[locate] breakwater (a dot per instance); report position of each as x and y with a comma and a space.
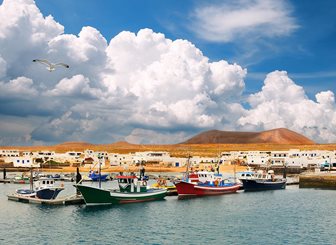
318, 180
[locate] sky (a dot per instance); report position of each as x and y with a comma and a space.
159, 72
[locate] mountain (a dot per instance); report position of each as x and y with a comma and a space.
274, 136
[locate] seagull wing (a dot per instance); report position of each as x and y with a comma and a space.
45, 62
62, 64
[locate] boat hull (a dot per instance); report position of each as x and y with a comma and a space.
185, 188
48, 193
262, 185
103, 177
97, 196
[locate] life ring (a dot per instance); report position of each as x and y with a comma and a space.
216, 182
62, 185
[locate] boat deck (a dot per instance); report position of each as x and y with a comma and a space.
68, 200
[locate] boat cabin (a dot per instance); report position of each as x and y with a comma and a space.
205, 176
260, 174
44, 183
246, 175
131, 183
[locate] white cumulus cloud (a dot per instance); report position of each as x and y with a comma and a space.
229, 20
282, 103
143, 87
20, 88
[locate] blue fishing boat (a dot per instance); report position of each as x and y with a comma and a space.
94, 176
261, 181
44, 188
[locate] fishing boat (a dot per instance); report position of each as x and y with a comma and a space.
204, 183
95, 176
162, 183
44, 188
261, 181
20, 180
131, 190
207, 183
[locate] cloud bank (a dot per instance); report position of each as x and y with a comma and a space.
141, 87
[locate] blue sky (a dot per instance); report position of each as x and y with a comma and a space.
307, 54
162, 71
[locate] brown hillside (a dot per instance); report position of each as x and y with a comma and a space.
180, 150
274, 136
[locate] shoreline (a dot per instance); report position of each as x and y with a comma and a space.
117, 169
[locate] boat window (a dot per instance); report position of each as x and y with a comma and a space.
43, 182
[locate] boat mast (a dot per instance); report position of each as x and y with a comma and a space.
235, 171
188, 166
218, 159
99, 162
31, 178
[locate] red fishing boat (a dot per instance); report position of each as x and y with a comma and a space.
205, 184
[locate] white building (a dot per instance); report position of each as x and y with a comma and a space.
260, 158
314, 158
97, 156
26, 162
69, 156
45, 155
117, 159
151, 156
9, 153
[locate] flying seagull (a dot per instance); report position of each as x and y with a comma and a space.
50, 66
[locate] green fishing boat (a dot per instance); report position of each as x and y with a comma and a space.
131, 190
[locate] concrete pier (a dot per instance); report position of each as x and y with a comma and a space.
5, 181
70, 200
318, 180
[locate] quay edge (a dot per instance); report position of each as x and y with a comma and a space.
318, 180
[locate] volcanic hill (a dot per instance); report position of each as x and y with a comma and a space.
274, 136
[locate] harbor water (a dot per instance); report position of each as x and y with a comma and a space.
290, 216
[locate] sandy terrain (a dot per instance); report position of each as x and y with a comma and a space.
178, 150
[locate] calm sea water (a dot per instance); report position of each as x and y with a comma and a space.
291, 216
